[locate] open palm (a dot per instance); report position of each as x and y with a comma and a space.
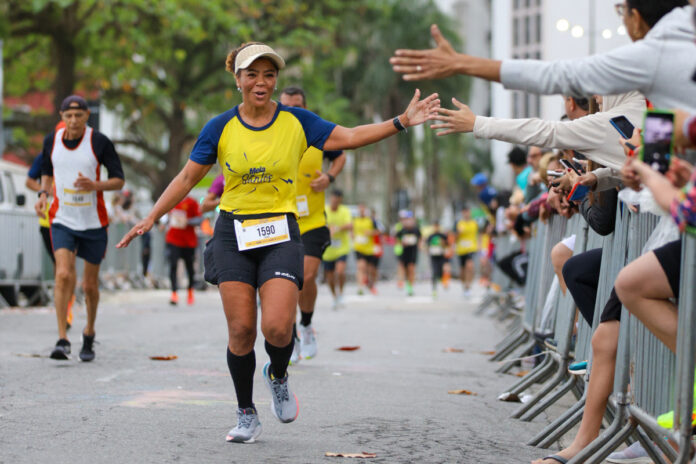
419, 111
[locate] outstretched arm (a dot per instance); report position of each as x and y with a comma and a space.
442, 61
178, 188
417, 112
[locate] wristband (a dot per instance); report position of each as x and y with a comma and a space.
400, 127
40, 192
331, 178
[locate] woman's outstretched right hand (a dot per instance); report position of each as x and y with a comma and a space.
139, 229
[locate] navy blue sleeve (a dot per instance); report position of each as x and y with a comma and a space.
332, 155
46, 162
35, 169
205, 150
316, 130
106, 155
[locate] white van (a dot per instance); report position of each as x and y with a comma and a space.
14, 195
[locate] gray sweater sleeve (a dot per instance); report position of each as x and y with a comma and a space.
623, 69
607, 179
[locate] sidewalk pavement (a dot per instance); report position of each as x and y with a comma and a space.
389, 397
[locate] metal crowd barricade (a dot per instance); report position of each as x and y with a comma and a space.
539, 278
566, 421
502, 297
564, 315
632, 231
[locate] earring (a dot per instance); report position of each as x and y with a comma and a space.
239, 90
276, 88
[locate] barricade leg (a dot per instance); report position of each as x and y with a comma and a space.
538, 374
545, 390
522, 352
555, 396
562, 425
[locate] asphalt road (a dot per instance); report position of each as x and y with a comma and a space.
389, 397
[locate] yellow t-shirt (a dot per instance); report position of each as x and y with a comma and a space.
310, 204
260, 163
467, 236
362, 237
340, 241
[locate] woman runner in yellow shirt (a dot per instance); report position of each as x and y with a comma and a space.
256, 244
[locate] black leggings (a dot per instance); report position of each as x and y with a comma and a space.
581, 275
176, 253
145, 253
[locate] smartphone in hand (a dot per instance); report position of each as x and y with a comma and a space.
567, 164
578, 193
623, 126
658, 139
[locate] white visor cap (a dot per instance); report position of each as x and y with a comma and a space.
252, 53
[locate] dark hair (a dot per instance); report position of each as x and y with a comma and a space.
232, 56
292, 91
653, 10
582, 102
335, 192
517, 156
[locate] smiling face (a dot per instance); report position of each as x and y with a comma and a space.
257, 82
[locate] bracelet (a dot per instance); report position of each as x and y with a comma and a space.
331, 178
40, 192
400, 127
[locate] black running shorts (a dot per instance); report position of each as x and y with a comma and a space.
225, 263
316, 241
409, 255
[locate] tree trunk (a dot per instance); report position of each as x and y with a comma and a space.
175, 152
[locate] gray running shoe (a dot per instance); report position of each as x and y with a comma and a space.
87, 351
284, 404
61, 351
248, 427
308, 342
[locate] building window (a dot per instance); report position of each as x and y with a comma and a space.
527, 31
515, 32
537, 26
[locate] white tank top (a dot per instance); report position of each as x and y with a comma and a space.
71, 207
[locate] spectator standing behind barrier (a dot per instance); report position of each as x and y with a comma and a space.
409, 237
181, 243
71, 167
339, 220
659, 62
311, 183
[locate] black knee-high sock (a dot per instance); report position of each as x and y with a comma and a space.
280, 358
294, 332
242, 371
306, 318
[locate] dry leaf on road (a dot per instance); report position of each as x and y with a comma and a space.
170, 357
461, 392
347, 348
488, 353
362, 455
453, 350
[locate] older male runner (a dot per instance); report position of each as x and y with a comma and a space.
71, 167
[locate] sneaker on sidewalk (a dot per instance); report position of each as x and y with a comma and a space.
190, 298
295, 356
248, 427
62, 350
308, 342
634, 454
284, 404
87, 351
174, 299
578, 368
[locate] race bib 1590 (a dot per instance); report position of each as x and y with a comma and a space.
256, 233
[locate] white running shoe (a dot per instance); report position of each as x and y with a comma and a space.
284, 404
248, 427
308, 342
295, 356
634, 454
